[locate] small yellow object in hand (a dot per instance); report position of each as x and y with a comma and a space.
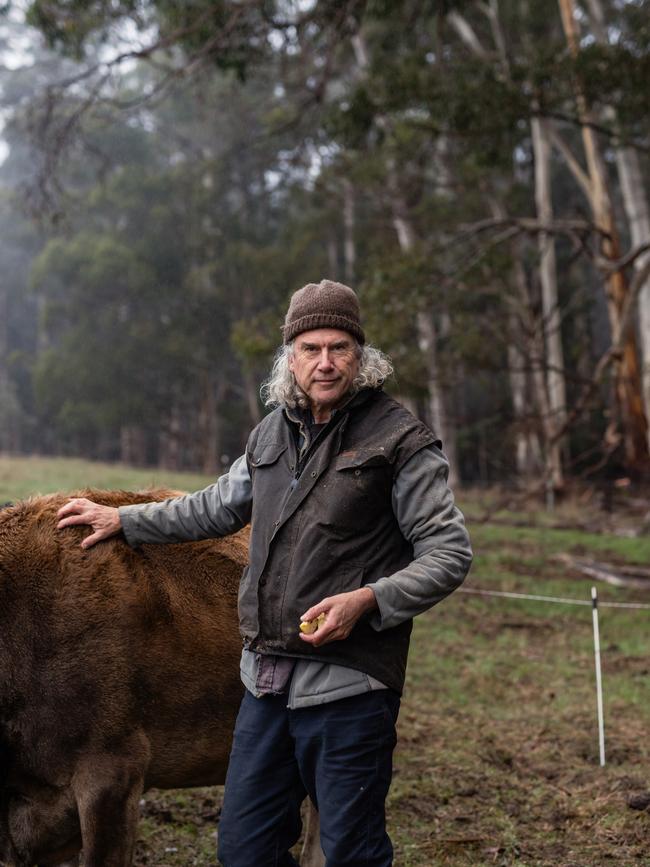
310, 626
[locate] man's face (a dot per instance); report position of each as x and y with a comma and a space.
325, 363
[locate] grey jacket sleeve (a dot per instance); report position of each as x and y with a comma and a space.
217, 510
427, 516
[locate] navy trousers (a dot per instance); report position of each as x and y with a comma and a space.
340, 753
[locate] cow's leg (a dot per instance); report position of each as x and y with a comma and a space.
109, 817
44, 828
108, 791
312, 853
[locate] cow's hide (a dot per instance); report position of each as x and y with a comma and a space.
119, 670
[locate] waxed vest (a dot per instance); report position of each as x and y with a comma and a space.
329, 530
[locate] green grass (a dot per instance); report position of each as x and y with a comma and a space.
497, 761
543, 542
24, 477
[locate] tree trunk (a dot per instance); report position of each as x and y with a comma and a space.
332, 256
637, 211
439, 418
551, 323
523, 363
169, 448
528, 451
9, 409
638, 216
425, 323
252, 392
133, 445
209, 429
537, 357
547, 368
210, 426
427, 334
627, 378
349, 245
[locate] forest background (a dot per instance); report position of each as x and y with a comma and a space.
476, 170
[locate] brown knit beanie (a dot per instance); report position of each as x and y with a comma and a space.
323, 305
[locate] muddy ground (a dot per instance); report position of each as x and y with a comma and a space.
497, 762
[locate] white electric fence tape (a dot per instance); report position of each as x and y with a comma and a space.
557, 599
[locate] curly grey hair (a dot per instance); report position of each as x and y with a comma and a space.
281, 388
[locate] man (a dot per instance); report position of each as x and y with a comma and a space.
351, 518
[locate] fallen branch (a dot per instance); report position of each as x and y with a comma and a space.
618, 576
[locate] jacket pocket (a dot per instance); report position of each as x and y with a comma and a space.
266, 454
363, 480
362, 458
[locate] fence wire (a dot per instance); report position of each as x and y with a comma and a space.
558, 600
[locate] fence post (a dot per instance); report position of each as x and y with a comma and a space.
599, 680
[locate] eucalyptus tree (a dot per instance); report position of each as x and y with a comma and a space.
425, 151
619, 31
167, 255
526, 58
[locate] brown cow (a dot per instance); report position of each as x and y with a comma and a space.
119, 670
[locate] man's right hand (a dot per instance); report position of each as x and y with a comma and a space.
105, 520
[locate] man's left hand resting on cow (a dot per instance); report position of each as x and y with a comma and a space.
351, 517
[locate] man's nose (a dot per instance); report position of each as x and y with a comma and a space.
325, 360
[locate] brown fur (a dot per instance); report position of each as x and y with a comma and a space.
118, 671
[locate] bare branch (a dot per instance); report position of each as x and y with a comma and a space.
533, 226
467, 35
606, 131
54, 129
612, 266
491, 10
145, 53
574, 166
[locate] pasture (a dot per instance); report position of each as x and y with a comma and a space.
497, 762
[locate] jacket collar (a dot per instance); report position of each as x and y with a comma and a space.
301, 416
